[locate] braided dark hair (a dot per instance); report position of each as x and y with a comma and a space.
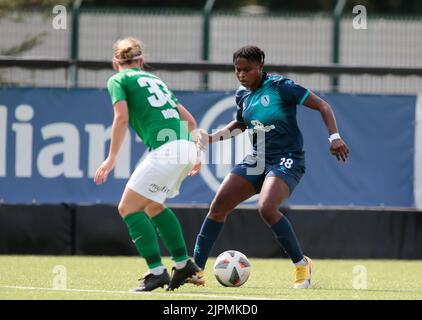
250, 53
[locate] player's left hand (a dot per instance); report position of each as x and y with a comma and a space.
195, 169
339, 149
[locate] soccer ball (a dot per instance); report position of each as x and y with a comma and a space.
232, 268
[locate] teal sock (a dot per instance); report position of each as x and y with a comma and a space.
170, 232
144, 237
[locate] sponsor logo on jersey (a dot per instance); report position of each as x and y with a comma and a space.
259, 126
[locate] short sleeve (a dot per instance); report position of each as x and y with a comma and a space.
239, 115
292, 92
239, 104
116, 90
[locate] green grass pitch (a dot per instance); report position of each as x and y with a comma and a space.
82, 277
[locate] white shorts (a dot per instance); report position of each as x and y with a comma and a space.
160, 175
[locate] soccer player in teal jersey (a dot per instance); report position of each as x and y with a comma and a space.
266, 107
143, 101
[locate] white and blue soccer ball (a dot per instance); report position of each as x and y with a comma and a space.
232, 268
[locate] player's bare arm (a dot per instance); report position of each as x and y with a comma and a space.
118, 132
187, 116
338, 147
231, 130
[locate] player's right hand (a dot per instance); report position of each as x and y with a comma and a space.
202, 139
102, 172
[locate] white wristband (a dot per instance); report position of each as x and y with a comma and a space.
334, 136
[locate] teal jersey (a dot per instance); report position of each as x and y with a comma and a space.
269, 113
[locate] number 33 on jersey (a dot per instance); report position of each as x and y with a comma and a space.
152, 110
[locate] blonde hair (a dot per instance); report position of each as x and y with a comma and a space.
126, 50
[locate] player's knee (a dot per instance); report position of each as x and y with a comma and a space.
154, 209
124, 210
269, 213
217, 212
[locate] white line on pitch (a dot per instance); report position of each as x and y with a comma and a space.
144, 293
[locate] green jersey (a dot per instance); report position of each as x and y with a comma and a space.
152, 106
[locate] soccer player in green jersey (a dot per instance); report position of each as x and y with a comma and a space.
143, 101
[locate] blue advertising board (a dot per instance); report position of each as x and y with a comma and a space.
53, 140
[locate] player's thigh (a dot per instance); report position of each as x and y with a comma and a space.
158, 176
280, 182
233, 190
132, 201
273, 193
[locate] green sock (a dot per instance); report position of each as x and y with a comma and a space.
144, 237
170, 231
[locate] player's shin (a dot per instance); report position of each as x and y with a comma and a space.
205, 241
144, 237
286, 237
170, 232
